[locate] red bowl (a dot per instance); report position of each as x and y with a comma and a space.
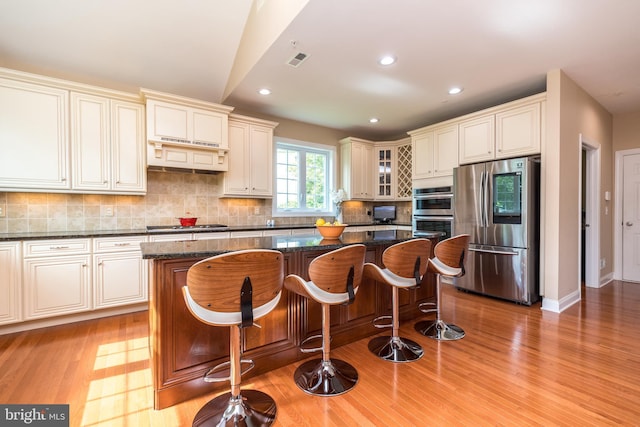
188, 222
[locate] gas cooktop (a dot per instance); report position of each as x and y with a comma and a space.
168, 228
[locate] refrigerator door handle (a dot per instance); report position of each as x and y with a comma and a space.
493, 251
484, 221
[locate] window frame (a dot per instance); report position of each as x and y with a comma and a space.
331, 151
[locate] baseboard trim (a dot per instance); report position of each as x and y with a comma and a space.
558, 306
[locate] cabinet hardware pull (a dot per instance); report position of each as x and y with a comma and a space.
58, 247
122, 244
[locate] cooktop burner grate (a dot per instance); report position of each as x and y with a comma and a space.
165, 228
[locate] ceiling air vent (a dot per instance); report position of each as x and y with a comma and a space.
297, 59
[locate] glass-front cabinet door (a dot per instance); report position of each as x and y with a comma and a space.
384, 188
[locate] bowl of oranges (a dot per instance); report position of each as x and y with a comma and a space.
328, 229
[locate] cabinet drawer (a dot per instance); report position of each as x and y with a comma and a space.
56, 247
118, 244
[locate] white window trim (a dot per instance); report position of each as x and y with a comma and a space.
333, 171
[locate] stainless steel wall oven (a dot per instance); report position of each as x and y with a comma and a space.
433, 210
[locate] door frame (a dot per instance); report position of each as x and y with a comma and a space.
617, 219
592, 215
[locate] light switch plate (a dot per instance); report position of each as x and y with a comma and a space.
3, 210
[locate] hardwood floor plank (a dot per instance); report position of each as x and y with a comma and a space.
517, 365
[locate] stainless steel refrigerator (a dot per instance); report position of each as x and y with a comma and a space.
497, 203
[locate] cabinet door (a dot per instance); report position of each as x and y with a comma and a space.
167, 121
260, 163
422, 147
129, 166
445, 150
119, 279
90, 142
10, 283
361, 171
236, 179
518, 131
209, 127
477, 139
34, 132
385, 173
56, 285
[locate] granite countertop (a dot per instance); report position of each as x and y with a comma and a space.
144, 232
207, 248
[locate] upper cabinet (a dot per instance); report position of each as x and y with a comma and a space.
34, 136
509, 130
107, 141
250, 158
356, 158
393, 170
60, 136
435, 151
186, 133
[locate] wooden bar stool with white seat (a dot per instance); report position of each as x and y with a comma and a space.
405, 264
235, 289
335, 278
448, 262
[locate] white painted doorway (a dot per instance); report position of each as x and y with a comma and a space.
630, 223
590, 219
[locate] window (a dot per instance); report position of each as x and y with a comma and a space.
304, 178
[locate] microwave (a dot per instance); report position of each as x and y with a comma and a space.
433, 201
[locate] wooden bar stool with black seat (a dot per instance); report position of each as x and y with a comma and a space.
405, 264
235, 289
335, 278
448, 262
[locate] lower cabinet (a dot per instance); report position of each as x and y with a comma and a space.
10, 282
57, 277
119, 272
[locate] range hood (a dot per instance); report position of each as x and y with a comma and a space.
186, 133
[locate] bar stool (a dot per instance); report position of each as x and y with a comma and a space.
405, 265
335, 278
234, 289
448, 262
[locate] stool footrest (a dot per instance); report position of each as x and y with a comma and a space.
304, 342
222, 371
377, 320
422, 307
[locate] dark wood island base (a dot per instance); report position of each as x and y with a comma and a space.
184, 349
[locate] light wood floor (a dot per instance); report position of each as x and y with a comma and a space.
516, 366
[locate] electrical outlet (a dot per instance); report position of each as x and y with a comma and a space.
108, 211
603, 263
3, 210
256, 210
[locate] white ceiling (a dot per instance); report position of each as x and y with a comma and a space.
497, 50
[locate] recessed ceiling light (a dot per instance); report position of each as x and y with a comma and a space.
455, 90
387, 60
373, 120
264, 91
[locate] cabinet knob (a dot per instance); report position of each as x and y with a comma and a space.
105, 181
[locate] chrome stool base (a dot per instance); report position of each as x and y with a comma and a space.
395, 349
439, 330
322, 378
252, 408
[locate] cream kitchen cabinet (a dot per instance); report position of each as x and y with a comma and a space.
34, 136
186, 132
508, 130
434, 151
119, 272
57, 277
10, 282
108, 145
356, 157
250, 158
393, 170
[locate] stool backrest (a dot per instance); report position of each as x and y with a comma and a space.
215, 283
453, 251
401, 258
330, 271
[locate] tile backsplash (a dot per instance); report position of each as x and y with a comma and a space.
170, 195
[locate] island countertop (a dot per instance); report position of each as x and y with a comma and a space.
207, 248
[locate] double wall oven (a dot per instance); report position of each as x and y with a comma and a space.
433, 210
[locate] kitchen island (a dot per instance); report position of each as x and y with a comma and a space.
184, 349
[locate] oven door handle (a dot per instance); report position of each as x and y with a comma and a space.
434, 196
433, 218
